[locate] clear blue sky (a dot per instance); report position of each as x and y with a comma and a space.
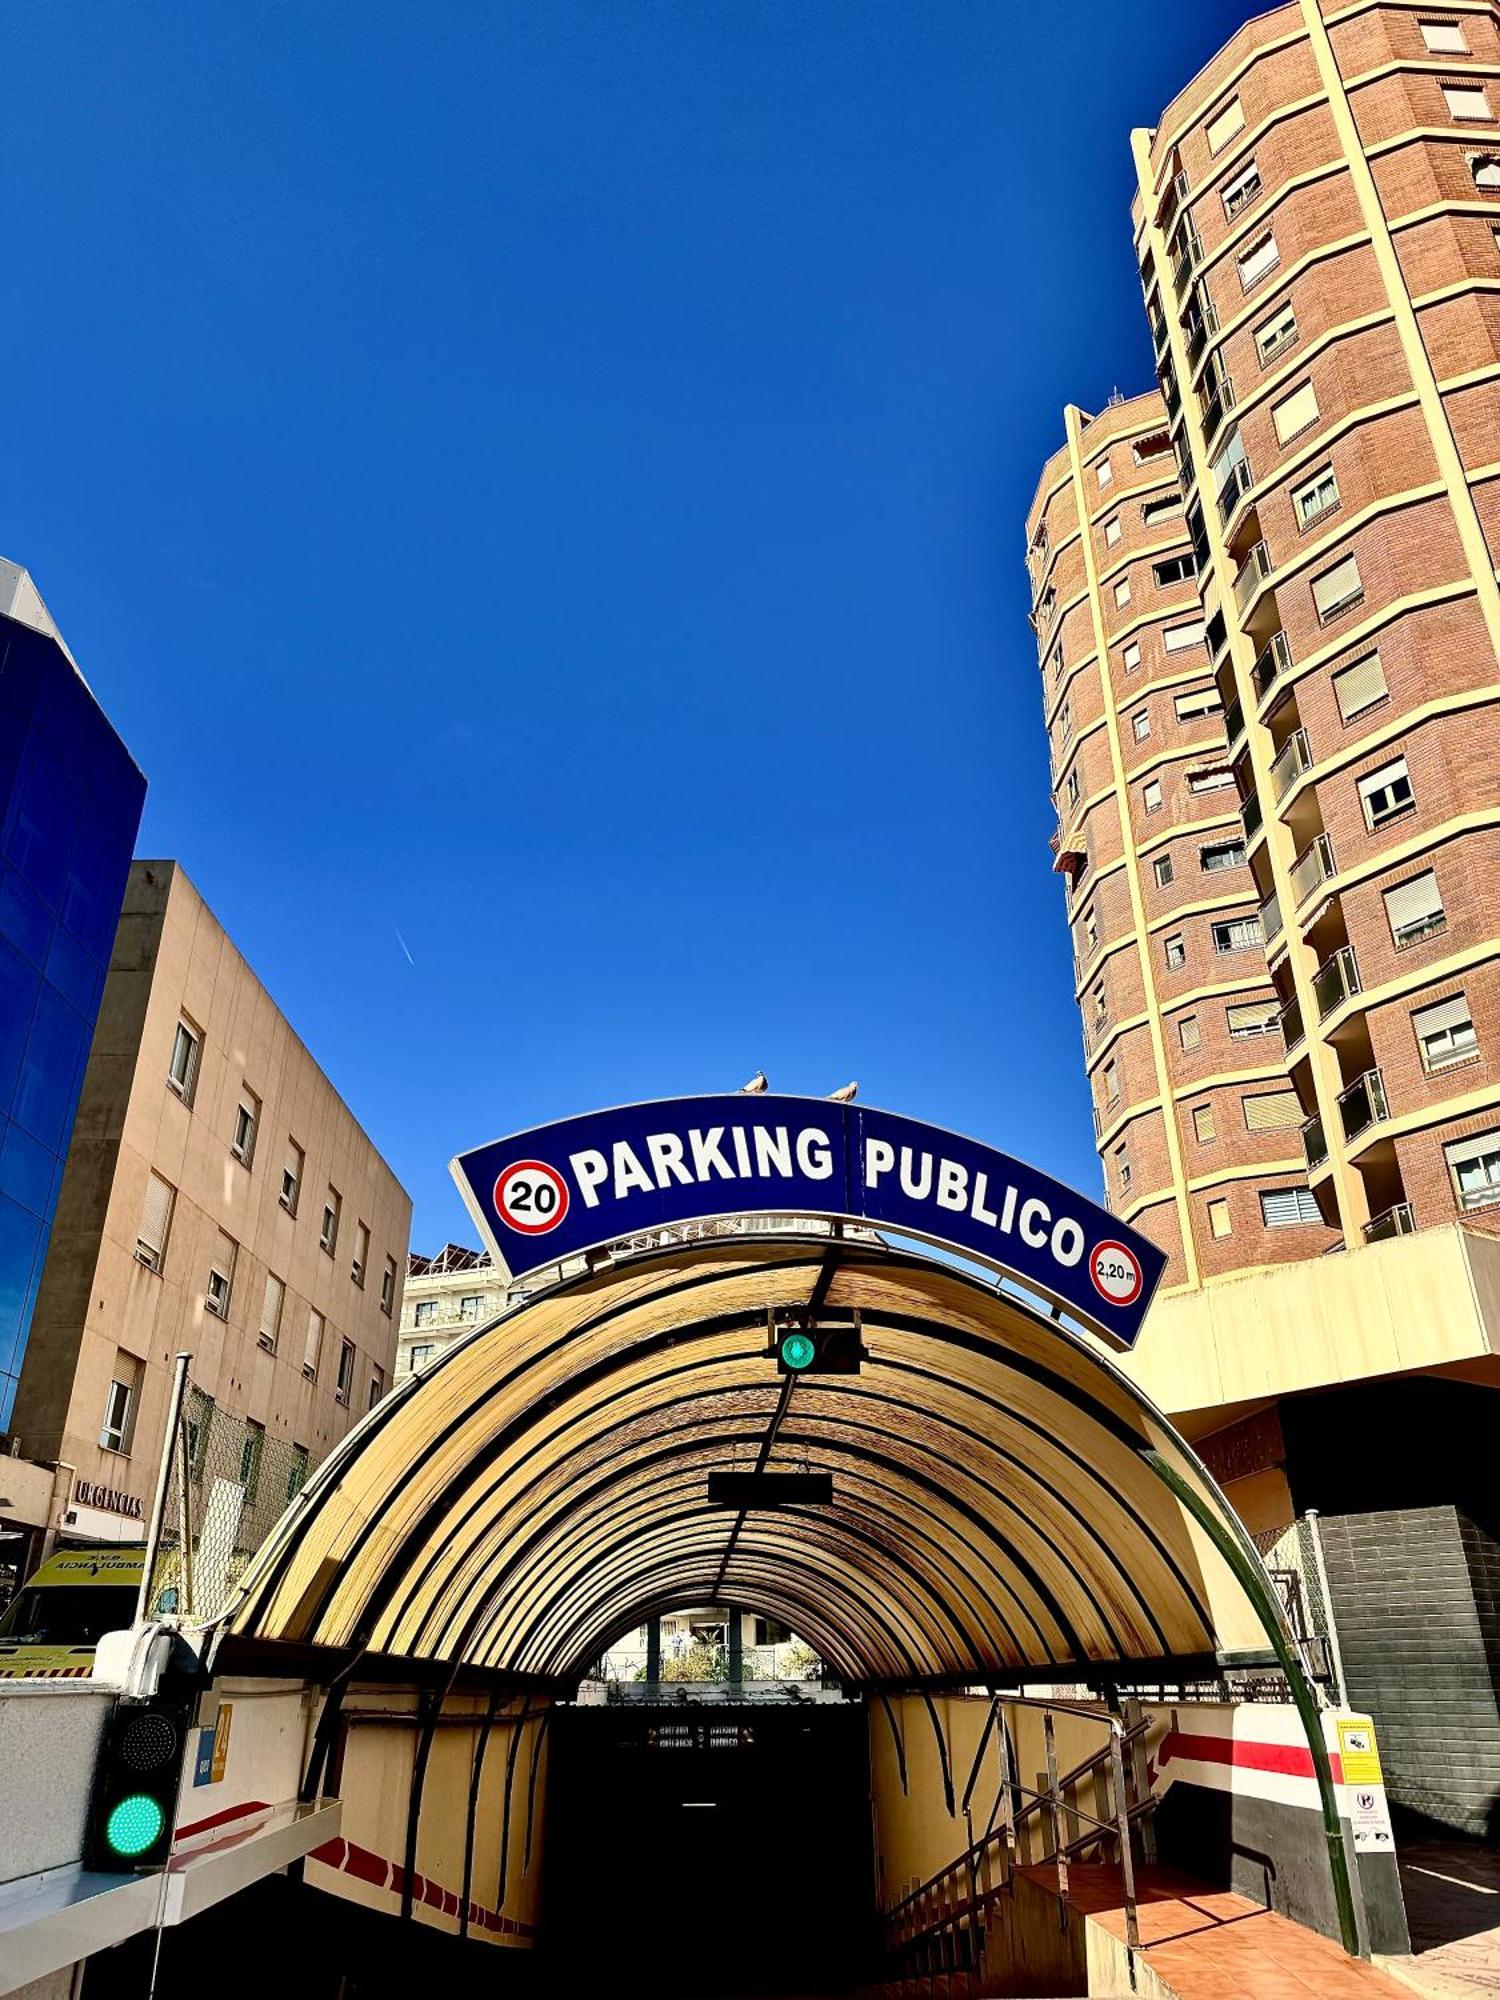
549, 478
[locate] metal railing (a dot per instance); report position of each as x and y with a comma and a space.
1234, 723
1293, 758
1363, 1104
938, 1930
1314, 1142
1236, 482
1396, 1221
1292, 1030
1335, 980
1217, 407
1313, 865
1202, 322
1270, 917
1251, 815
1271, 662
1250, 574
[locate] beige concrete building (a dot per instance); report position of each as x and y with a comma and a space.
446, 1296
221, 1199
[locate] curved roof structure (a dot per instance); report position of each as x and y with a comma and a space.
543, 1486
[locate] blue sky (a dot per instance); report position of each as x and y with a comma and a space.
548, 479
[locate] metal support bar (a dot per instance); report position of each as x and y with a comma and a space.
163, 1476
1122, 1828
1059, 1856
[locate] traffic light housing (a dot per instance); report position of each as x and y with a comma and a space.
133, 1809
818, 1348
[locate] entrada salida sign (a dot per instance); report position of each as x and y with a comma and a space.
551, 1193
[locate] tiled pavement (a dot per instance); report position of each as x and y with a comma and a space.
1453, 1909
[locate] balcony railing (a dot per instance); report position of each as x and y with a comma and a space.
1237, 481
1335, 980
1250, 574
1292, 1030
1363, 1104
1201, 323
1271, 663
1312, 866
1270, 918
1217, 407
1251, 814
1192, 250
1314, 1145
1291, 761
1234, 723
1171, 201
1397, 1221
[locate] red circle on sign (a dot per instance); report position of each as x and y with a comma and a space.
1122, 1284
531, 1197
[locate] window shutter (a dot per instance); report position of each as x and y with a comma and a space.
1275, 1111
1177, 638
157, 1213
1221, 129
1295, 412
1336, 586
1413, 902
1187, 1031
1262, 257
1253, 1017
1446, 1015
1203, 1122
1359, 687
312, 1351
1382, 779
1280, 1207
270, 1312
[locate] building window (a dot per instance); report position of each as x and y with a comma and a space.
312, 1347
1386, 793
427, 1312
1272, 1111
270, 1311
1445, 1033
1073, 786
1110, 1078
1101, 1005
1091, 929
252, 1451
296, 1476
1140, 722
1239, 192
221, 1276
1131, 656
1444, 38
1210, 781
156, 1221
291, 1177
1155, 444
1338, 589
1161, 868
388, 1287
1359, 686
346, 1372
1197, 703
1112, 530
1151, 795
1288, 1208
1248, 1018
1259, 260
1237, 934
328, 1235
377, 1387
1218, 1217
1221, 854
1222, 127
1175, 952
1122, 592
1065, 721
1181, 638
1175, 569
117, 1432
182, 1071
1187, 1032
1153, 511
361, 1259
421, 1354
1475, 1167
1122, 1168
469, 1307
1467, 101
1486, 171
246, 1124
1295, 413
1319, 496
1414, 909
1277, 334
1105, 472
1203, 1123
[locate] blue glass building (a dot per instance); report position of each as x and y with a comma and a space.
70, 804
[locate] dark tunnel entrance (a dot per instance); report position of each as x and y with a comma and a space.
709, 1848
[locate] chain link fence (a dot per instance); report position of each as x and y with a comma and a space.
1293, 1560
229, 1485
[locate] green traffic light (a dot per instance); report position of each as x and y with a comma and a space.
798, 1351
134, 1824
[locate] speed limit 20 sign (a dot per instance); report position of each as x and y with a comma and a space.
531, 1197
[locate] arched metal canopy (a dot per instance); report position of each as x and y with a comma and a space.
998, 1507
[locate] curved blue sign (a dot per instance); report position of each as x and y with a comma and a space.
562, 1189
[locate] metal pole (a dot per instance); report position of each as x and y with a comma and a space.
1055, 1820
653, 1651
159, 1499
184, 1541
1252, 1579
1335, 1657
736, 1636
1122, 1824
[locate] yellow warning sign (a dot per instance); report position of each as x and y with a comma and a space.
1358, 1755
221, 1741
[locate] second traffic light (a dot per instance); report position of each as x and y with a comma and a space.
818, 1349
134, 1801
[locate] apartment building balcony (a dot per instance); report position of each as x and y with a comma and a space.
1290, 762
1270, 917
1217, 407
1234, 723
1313, 865
1250, 575
1251, 815
1314, 1145
1363, 1104
1200, 322
1173, 196
1397, 1221
1236, 484
1271, 662
1187, 260
1292, 1030
1335, 981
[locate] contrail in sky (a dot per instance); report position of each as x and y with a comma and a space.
404, 946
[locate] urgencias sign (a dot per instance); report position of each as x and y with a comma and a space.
551, 1193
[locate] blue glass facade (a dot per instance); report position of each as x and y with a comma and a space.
70, 804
